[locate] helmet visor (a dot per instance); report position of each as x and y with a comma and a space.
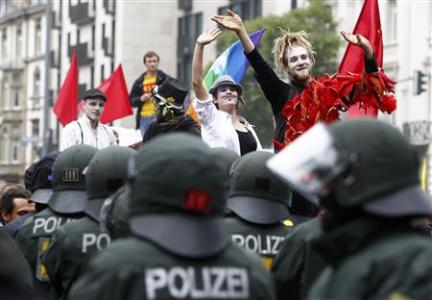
310, 162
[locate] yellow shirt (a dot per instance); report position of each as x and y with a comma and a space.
149, 107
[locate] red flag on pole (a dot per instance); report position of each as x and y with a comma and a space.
115, 89
368, 25
65, 106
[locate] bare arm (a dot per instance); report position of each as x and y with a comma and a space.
361, 41
233, 22
197, 63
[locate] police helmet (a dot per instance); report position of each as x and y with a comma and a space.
177, 196
366, 163
256, 194
69, 186
114, 214
105, 173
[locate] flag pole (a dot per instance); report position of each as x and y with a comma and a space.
46, 132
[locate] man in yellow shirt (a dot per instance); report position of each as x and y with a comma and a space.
140, 95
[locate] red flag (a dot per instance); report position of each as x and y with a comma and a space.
115, 89
368, 25
65, 106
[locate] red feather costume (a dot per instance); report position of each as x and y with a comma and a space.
322, 98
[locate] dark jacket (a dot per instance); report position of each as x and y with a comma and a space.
71, 246
133, 268
34, 237
137, 91
296, 267
263, 239
276, 91
374, 258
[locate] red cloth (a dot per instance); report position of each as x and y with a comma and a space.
369, 26
321, 100
65, 106
117, 104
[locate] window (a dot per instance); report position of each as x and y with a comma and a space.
392, 21
5, 102
36, 87
247, 9
189, 27
15, 150
102, 72
4, 43
38, 37
35, 136
19, 41
5, 146
17, 98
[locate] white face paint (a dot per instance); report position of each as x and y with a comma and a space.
299, 64
226, 98
93, 108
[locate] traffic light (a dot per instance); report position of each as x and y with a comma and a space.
420, 82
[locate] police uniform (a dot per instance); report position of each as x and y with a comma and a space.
365, 174
73, 243
66, 203
180, 188
258, 217
296, 266
114, 215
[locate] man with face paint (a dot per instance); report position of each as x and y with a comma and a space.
321, 98
87, 129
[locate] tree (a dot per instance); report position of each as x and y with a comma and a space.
318, 22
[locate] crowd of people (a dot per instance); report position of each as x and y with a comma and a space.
199, 211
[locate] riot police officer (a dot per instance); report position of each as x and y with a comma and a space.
258, 202
178, 246
66, 203
366, 175
74, 242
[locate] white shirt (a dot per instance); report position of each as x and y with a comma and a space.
217, 129
81, 132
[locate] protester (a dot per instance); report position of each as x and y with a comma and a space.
367, 176
15, 202
301, 102
221, 126
87, 129
140, 95
73, 244
178, 247
170, 96
37, 180
65, 204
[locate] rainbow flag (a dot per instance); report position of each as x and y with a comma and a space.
231, 62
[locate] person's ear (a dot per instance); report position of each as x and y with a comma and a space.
6, 217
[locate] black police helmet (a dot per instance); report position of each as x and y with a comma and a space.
105, 173
384, 177
256, 194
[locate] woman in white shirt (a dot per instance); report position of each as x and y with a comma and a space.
87, 129
221, 126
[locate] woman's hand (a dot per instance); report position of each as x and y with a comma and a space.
232, 21
208, 36
359, 40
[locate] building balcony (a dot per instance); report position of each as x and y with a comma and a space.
83, 54
81, 14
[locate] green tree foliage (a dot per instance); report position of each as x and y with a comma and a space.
317, 21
